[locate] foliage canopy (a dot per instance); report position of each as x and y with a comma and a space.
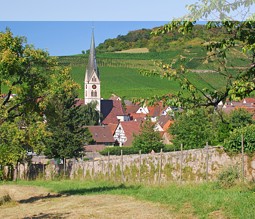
148, 139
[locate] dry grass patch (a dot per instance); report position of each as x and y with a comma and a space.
136, 50
36, 202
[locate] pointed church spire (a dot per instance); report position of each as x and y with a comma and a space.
92, 79
92, 64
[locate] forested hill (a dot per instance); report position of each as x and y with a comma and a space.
144, 38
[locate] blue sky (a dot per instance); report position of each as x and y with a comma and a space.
91, 10
63, 27
71, 37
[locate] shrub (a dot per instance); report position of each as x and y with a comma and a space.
148, 139
132, 150
171, 147
117, 151
193, 128
234, 142
228, 177
5, 198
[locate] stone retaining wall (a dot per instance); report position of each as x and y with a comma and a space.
189, 165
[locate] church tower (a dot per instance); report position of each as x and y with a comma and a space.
92, 78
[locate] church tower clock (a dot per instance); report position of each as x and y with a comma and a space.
92, 78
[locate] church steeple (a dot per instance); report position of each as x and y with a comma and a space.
92, 64
92, 79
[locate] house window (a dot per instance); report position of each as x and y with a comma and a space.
94, 79
92, 93
95, 93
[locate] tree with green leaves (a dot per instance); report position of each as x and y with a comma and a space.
67, 124
240, 118
233, 143
237, 36
193, 128
148, 139
29, 78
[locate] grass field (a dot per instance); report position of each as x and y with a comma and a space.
120, 71
128, 83
197, 201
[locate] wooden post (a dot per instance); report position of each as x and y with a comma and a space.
242, 139
108, 165
140, 164
122, 168
64, 160
93, 167
160, 166
115, 171
102, 168
83, 167
207, 160
181, 162
43, 169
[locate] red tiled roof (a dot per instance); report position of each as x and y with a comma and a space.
112, 127
132, 109
249, 100
130, 128
101, 134
154, 111
165, 121
228, 108
110, 110
137, 117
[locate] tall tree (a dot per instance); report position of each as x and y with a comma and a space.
67, 124
238, 35
66, 120
29, 77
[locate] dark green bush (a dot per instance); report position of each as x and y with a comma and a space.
171, 147
132, 150
117, 151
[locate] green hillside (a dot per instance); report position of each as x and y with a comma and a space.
129, 83
120, 71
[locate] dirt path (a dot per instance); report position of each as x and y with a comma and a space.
35, 202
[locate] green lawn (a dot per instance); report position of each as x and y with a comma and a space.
201, 200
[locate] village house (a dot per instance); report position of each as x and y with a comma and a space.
125, 131
102, 137
247, 104
118, 123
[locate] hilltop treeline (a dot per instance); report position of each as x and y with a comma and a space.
144, 38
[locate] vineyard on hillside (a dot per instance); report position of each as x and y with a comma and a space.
120, 71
